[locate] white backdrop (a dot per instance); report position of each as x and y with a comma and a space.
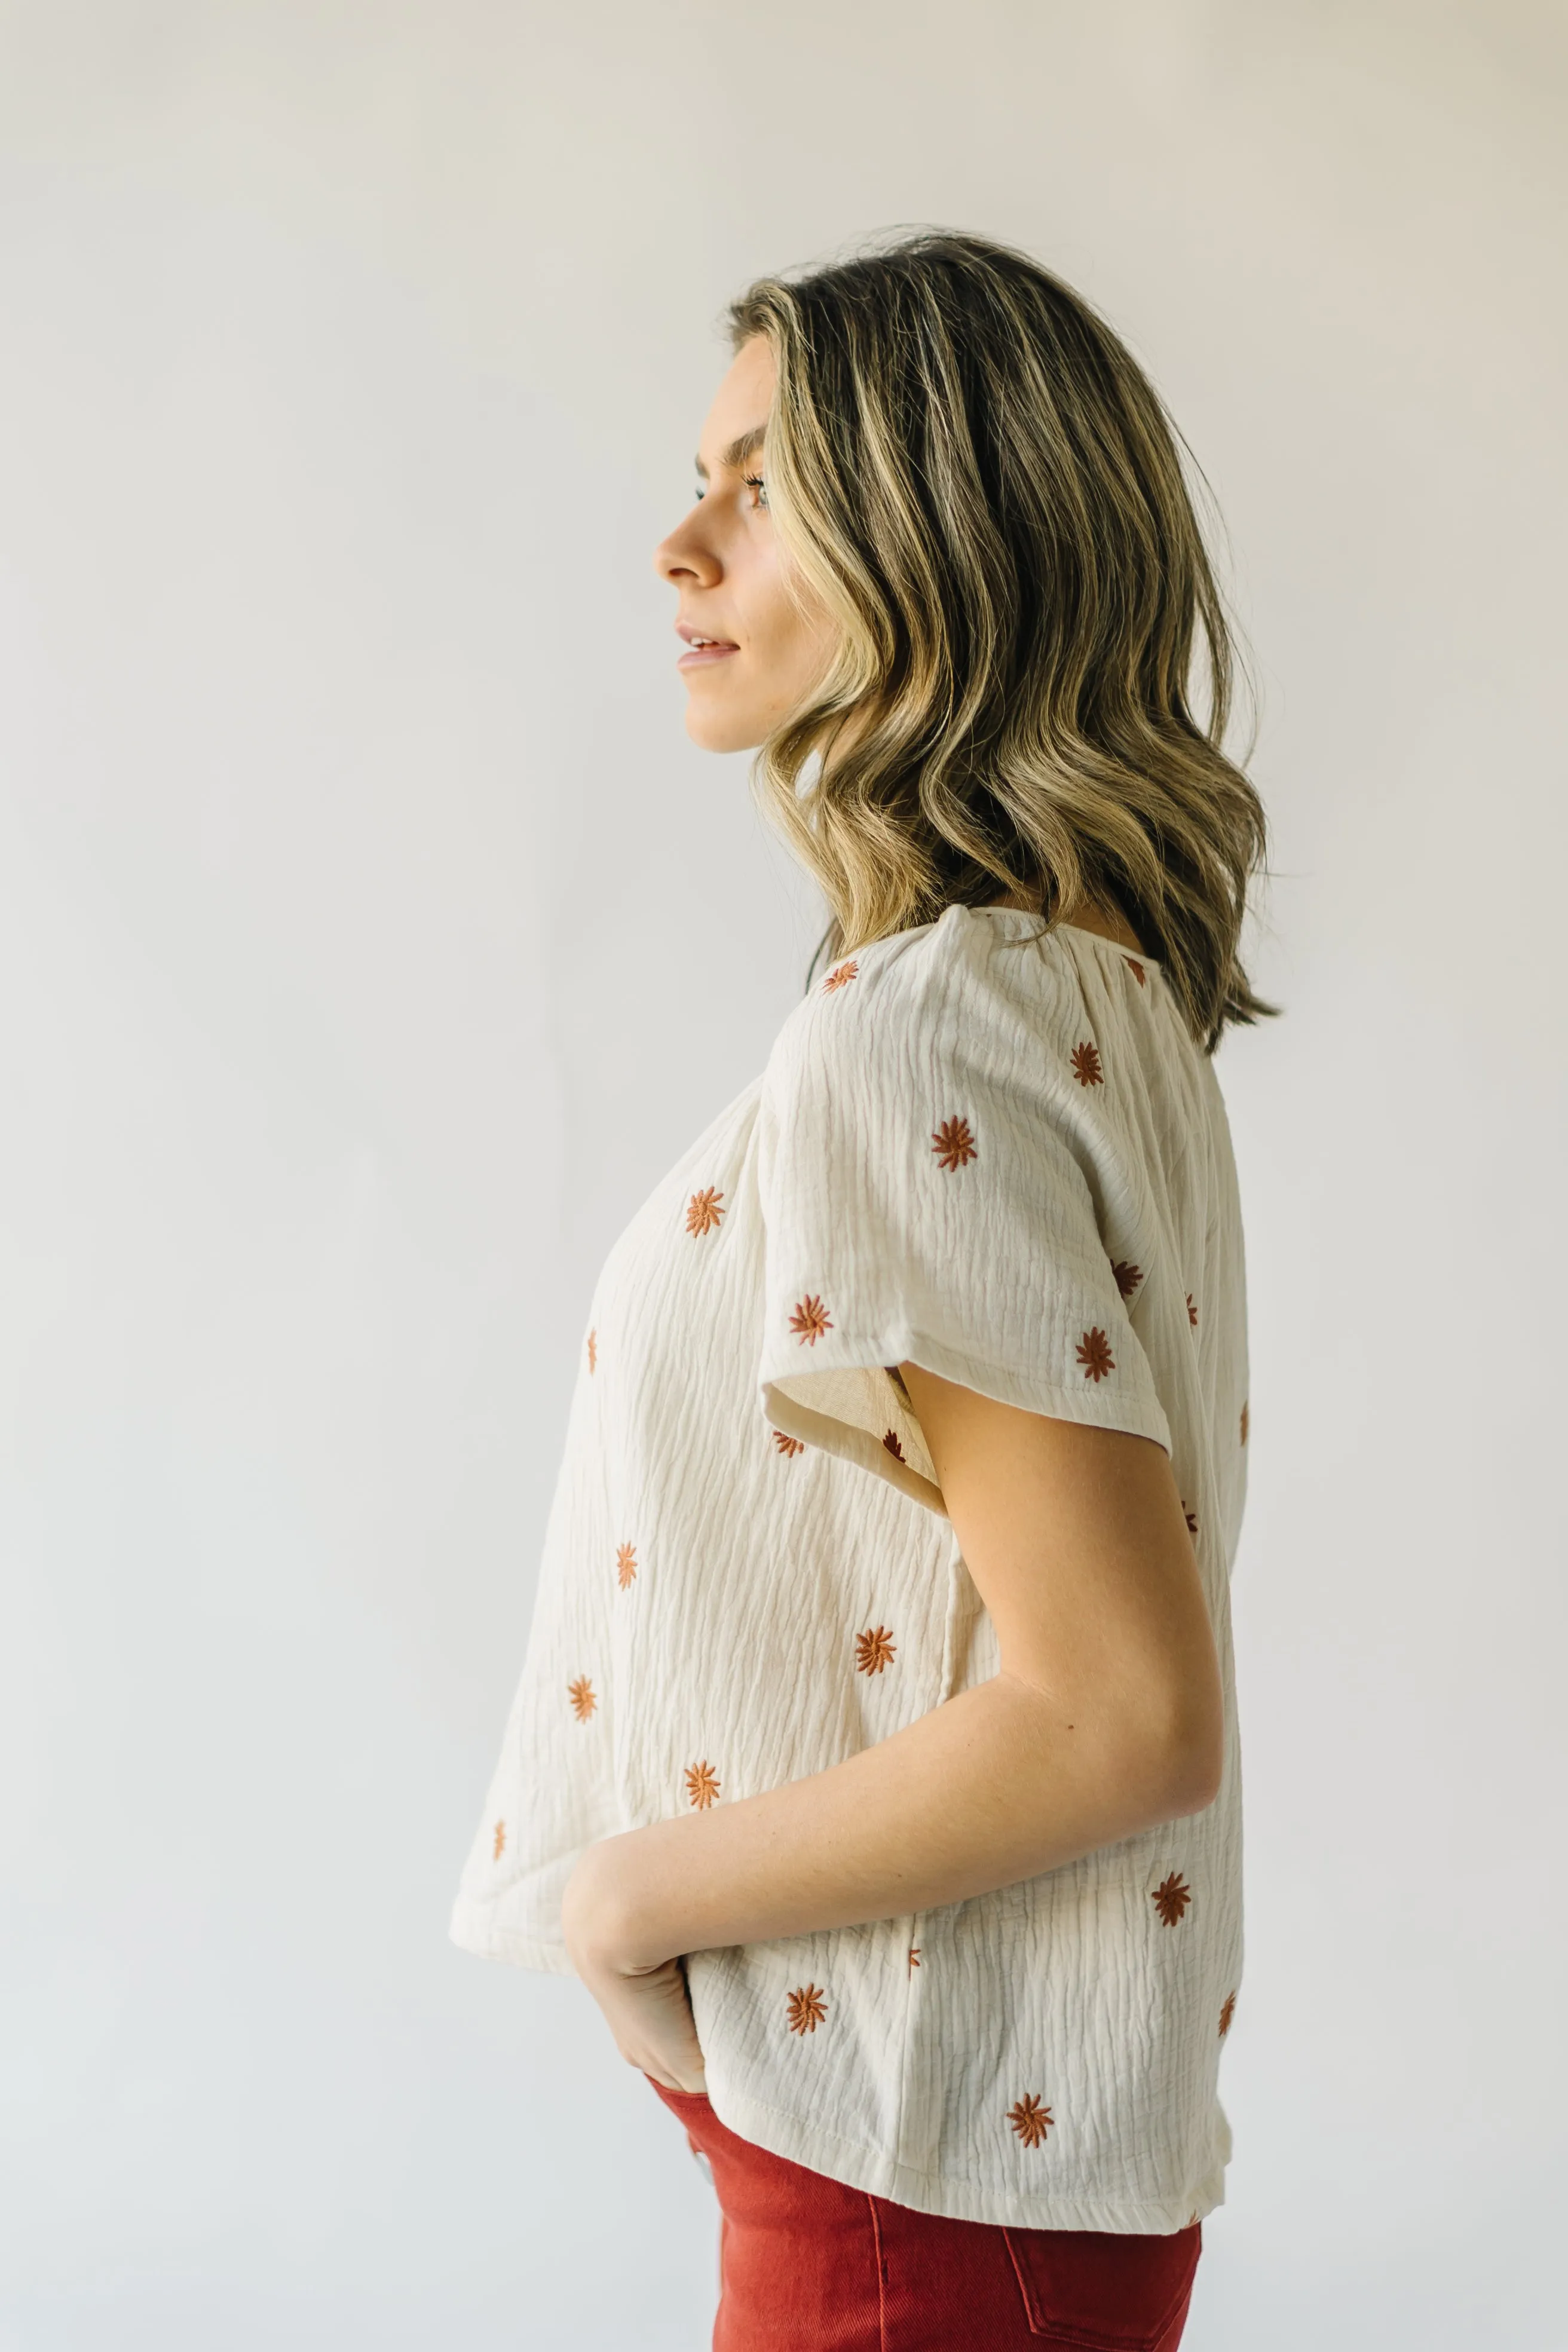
373, 939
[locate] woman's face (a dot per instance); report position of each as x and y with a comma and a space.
764, 654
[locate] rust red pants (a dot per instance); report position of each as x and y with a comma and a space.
810, 2265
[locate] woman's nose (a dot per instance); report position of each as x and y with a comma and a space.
683, 556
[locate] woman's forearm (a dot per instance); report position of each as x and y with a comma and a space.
995, 1785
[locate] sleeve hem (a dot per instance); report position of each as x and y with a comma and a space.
1134, 1416
784, 1390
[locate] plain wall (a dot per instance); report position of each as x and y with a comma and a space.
373, 939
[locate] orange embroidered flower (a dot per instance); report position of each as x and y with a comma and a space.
1086, 1067
1135, 968
592, 1352
1094, 1354
1170, 1898
1243, 1424
874, 1650
702, 1211
810, 1320
840, 976
701, 1785
892, 1441
1030, 2119
625, 1564
581, 1694
954, 1143
787, 1445
1227, 2011
1128, 1278
1191, 1312
808, 2008
914, 1956
500, 1846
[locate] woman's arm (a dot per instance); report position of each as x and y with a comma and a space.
1104, 1719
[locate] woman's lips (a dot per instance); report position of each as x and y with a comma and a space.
702, 656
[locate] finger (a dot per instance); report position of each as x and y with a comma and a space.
671, 2076
656, 2074
675, 2070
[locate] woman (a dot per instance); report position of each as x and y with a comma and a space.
875, 1761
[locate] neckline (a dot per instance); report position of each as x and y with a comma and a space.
1130, 955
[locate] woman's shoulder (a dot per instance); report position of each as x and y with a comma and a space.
972, 974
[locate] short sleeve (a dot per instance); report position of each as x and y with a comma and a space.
934, 1181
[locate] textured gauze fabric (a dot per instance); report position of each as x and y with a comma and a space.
1000, 1156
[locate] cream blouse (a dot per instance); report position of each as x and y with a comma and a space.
1006, 1159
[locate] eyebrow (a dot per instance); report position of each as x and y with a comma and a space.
744, 445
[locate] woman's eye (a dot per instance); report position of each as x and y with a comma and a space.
752, 482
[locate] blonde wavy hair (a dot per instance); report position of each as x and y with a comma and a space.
969, 470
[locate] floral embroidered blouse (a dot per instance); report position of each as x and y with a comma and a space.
1002, 1157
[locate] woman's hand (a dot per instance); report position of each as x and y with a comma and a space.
645, 2003
1105, 1718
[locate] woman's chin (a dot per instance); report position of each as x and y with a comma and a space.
720, 730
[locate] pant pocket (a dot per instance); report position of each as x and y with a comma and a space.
688, 2107
1099, 2290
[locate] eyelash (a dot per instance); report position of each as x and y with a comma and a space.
752, 481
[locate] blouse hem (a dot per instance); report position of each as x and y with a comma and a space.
472, 1931
880, 2174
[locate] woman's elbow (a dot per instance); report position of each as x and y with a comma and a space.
1176, 1755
